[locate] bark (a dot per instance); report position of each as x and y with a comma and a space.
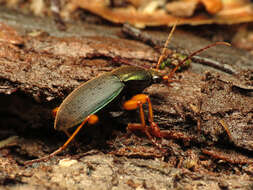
207, 116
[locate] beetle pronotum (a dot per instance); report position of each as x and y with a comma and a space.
81, 105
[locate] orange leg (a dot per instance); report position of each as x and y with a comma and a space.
92, 119
54, 111
134, 103
139, 126
137, 101
69, 135
155, 130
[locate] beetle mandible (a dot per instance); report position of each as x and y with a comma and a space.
81, 105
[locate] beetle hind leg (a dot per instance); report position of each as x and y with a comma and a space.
54, 111
74, 141
91, 119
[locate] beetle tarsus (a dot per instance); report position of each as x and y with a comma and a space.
155, 130
45, 158
146, 130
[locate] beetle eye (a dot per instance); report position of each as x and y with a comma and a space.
157, 79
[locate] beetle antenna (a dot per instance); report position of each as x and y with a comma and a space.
165, 46
169, 76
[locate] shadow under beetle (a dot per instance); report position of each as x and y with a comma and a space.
81, 105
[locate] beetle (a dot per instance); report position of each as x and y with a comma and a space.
81, 105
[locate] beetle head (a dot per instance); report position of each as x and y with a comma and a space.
157, 76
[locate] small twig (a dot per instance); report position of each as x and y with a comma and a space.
138, 35
215, 64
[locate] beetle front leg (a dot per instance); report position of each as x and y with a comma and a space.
91, 119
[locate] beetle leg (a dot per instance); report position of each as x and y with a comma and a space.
136, 126
69, 135
54, 111
142, 126
91, 119
138, 101
155, 130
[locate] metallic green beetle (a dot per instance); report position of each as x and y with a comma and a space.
96, 94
